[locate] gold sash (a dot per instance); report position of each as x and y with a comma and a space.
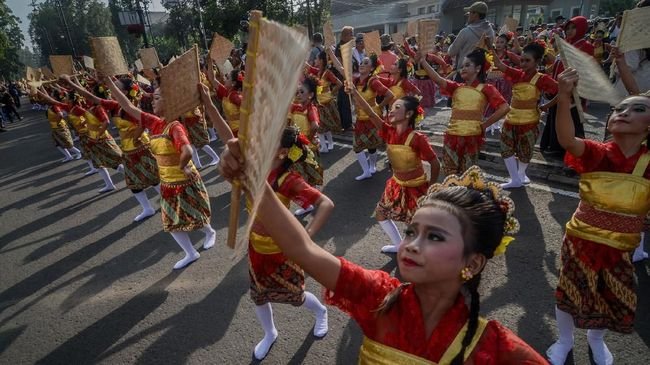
300, 120
94, 126
627, 195
56, 122
398, 91
231, 111
265, 244
467, 113
370, 97
325, 96
404, 161
375, 353
78, 123
129, 138
168, 158
525, 96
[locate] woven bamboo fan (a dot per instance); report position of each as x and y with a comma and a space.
274, 63
138, 65
47, 73
30, 74
372, 42
89, 62
149, 58
179, 82
62, 65
108, 56
328, 33
220, 49
427, 30
346, 60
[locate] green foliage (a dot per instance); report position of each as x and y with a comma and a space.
612, 7
85, 18
11, 42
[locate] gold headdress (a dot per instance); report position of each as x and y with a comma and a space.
475, 179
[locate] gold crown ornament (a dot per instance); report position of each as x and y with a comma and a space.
475, 179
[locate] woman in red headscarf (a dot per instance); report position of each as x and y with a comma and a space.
575, 30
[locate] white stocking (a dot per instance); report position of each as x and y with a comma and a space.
362, 158
191, 255
76, 152
157, 188
147, 209
330, 140
215, 158
559, 351
210, 236
195, 158
639, 253
65, 153
320, 311
515, 181
393, 233
602, 355
92, 169
108, 182
265, 316
372, 162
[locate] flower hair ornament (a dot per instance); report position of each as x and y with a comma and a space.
475, 179
420, 114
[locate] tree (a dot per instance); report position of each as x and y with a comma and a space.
613, 7
85, 18
11, 42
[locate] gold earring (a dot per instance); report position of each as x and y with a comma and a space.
466, 274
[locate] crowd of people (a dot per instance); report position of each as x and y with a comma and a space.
503, 79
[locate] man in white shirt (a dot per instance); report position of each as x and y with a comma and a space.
358, 54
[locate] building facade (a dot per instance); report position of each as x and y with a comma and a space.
385, 16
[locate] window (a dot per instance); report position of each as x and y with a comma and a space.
555, 13
516, 12
421, 10
393, 28
575, 11
432, 9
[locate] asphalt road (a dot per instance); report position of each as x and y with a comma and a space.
81, 283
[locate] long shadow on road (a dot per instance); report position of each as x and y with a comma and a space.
87, 346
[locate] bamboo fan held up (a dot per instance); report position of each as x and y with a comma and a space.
274, 63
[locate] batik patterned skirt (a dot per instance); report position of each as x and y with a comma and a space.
185, 206
275, 279
62, 138
140, 168
398, 202
83, 143
428, 89
460, 153
596, 286
365, 136
105, 152
330, 121
197, 132
519, 140
311, 168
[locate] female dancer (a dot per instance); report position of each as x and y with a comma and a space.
140, 167
575, 30
274, 277
496, 77
185, 205
458, 227
60, 131
464, 135
230, 95
422, 80
365, 133
596, 288
197, 131
304, 116
400, 85
520, 131
406, 151
330, 121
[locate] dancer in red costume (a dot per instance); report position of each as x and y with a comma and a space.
596, 288
406, 151
458, 227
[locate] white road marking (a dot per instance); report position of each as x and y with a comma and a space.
532, 185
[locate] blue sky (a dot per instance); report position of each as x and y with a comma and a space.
21, 9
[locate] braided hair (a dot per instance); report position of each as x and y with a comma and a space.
482, 222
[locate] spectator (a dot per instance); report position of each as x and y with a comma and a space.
638, 62
9, 105
469, 36
14, 90
358, 53
317, 44
387, 57
343, 99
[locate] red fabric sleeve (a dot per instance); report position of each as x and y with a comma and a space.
61, 107
514, 75
420, 144
386, 81
547, 84
100, 113
451, 87
499, 345
514, 58
311, 70
178, 134
409, 87
77, 111
432, 57
235, 98
408, 49
221, 91
359, 292
594, 154
329, 76
313, 115
378, 86
495, 99
385, 131
110, 105
152, 123
299, 191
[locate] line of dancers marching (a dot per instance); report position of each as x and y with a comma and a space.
453, 227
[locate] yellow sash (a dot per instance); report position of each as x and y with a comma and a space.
168, 158
398, 91
627, 195
525, 96
467, 113
404, 160
129, 138
265, 244
56, 122
94, 126
78, 123
231, 111
375, 353
325, 96
370, 97
300, 120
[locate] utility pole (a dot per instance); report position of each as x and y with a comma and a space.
67, 29
144, 28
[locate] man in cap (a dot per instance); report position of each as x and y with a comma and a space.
469, 36
387, 56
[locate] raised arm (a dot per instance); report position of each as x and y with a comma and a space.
497, 61
284, 228
441, 81
566, 133
80, 89
215, 117
121, 99
46, 97
625, 73
335, 61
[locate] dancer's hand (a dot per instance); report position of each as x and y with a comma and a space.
231, 166
205, 93
187, 170
567, 82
